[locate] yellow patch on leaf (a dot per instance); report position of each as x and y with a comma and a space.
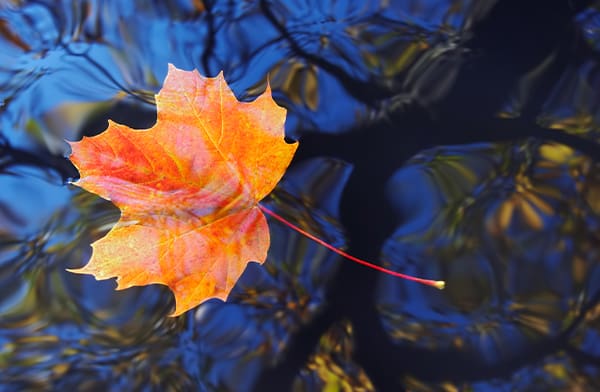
188, 189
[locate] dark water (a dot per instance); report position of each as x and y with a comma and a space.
453, 140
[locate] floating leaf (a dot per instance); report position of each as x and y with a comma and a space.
188, 189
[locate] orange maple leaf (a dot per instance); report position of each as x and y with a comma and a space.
188, 189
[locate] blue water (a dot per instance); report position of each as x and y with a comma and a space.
453, 140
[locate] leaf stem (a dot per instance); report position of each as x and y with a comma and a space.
439, 284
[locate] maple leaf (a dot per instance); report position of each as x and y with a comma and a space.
188, 189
